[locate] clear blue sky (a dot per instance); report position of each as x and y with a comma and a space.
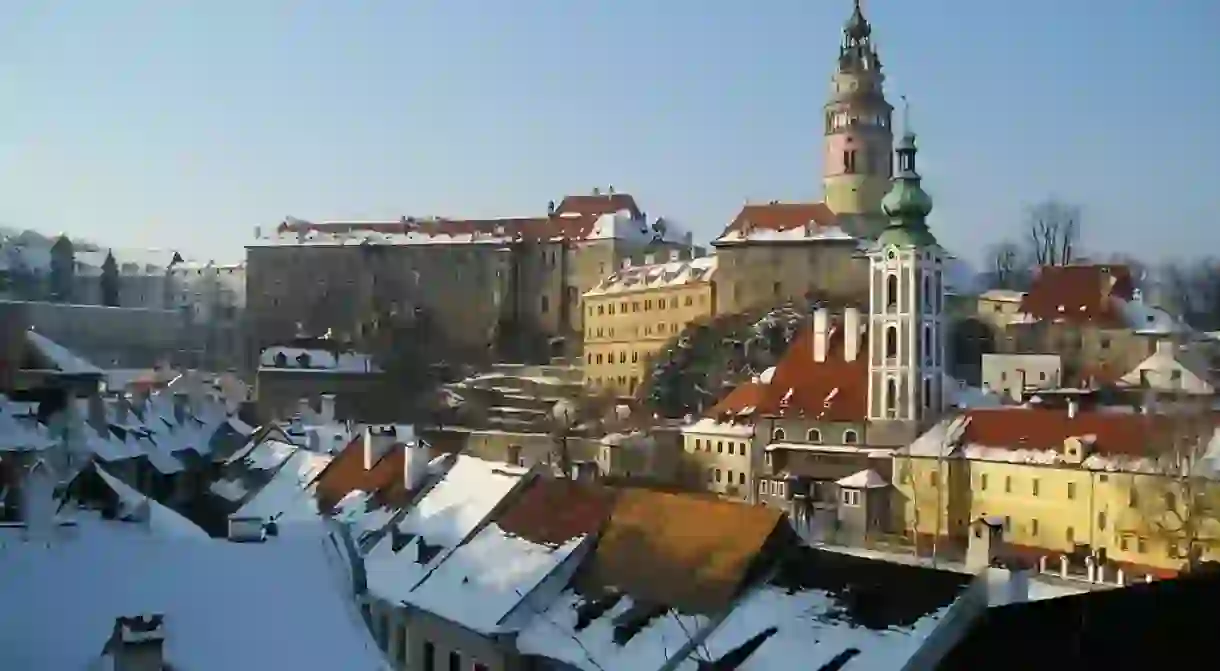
186, 124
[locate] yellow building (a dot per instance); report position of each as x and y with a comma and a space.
1061, 482
632, 313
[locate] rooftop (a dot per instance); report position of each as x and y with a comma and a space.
657, 276
783, 222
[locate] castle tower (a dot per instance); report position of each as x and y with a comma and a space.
906, 304
857, 167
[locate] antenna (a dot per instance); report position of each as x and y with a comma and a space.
907, 128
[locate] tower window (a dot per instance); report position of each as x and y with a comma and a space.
927, 392
849, 161
927, 293
927, 342
891, 292
891, 342
891, 396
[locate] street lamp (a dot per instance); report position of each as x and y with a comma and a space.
565, 416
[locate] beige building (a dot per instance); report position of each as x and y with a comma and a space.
634, 312
483, 281
1013, 375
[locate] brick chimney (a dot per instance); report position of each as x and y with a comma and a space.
138, 643
821, 333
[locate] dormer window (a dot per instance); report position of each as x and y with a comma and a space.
778, 435
850, 437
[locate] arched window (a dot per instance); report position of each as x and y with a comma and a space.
927, 342
891, 394
891, 342
850, 437
927, 294
778, 435
813, 436
891, 292
927, 392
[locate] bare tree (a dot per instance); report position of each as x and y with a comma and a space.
1053, 232
1192, 290
1009, 266
1179, 503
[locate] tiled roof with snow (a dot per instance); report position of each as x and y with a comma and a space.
784, 222
577, 218
232, 606
824, 606
434, 526
481, 582
160, 520
665, 565
656, 276
62, 358
1098, 295
289, 495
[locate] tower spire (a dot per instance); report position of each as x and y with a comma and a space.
907, 205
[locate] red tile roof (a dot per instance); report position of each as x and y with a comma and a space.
832, 390
573, 219
1082, 295
1117, 433
554, 511
346, 474
780, 217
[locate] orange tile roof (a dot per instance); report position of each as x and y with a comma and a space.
687, 552
553, 511
1082, 295
346, 474
780, 217
599, 205
833, 390
1117, 433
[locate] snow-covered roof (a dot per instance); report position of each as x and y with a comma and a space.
233, 606
865, 479
64, 360
161, 520
656, 276
1003, 295
710, 426
18, 435
824, 606
289, 495
278, 358
1143, 317
484, 580
440, 520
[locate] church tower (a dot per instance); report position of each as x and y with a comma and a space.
906, 305
858, 137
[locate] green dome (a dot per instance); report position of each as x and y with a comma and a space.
907, 200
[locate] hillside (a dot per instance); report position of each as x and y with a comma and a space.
709, 358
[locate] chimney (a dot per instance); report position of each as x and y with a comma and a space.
1073, 408
97, 413
851, 333
370, 450
327, 408
304, 409
414, 464
821, 327
138, 643
181, 401
597, 191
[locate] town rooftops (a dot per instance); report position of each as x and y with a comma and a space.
1101, 295
783, 222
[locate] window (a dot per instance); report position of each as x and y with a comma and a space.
601, 309
729, 476
648, 304
891, 396
778, 435
1071, 490
689, 301
1007, 484
891, 342
599, 358
455, 661
635, 357
730, 448
1101, 521
1034, 487
851, 497
849, 161
609, 308
429, 656
927, 342
720, 446
673, 302
742, 451
1071, 537
983, 482
1171, 549
850, 437
1133, 498
717, 475
1033, 527
1141, 545
927, 392
813, 436
698, 444
1123, 544
891, 292
927, 292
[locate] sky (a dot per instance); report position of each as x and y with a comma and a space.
186, 124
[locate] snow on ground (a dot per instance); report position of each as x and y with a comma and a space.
232, 606
289, 496
483, 580
445, 515
554, 634
61, 357
161, 520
